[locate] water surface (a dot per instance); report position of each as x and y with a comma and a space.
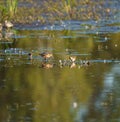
37, 90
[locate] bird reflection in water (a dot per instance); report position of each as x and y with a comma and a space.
73, 65
46, 65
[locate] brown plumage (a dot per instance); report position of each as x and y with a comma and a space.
47, 65
8, 24
46, 55
72, 58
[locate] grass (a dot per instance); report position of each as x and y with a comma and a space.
11, 6
8, 9
48, 11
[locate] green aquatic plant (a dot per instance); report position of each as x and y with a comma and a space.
71, 8
49, 11
3, 13
11, 7
8, 9
67, 6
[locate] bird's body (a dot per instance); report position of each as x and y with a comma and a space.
8, 24
86, 63
46, 55
72, 58
30, 56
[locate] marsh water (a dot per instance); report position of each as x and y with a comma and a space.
58, 90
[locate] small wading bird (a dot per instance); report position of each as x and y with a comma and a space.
46, 55
8, 24
86, 63
72, 58
30, 56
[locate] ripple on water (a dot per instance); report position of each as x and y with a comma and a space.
84, 27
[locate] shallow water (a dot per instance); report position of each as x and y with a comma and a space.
57, 89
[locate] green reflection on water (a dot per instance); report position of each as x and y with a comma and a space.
31, 93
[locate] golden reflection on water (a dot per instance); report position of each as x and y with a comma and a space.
32, 93
48, 94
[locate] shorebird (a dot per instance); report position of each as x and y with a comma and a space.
46, 55
30, 56
72, 58
8, 24
62, 63
86, 63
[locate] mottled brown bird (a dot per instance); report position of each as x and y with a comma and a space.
72, 58
46, 55
8, 24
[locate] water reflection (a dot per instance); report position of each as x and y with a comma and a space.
81, 82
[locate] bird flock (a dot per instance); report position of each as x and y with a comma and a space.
49, 62
47, 57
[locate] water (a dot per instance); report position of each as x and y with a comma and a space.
58, 90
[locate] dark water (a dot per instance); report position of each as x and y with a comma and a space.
58, 90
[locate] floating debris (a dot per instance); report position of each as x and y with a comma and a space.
75, 105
